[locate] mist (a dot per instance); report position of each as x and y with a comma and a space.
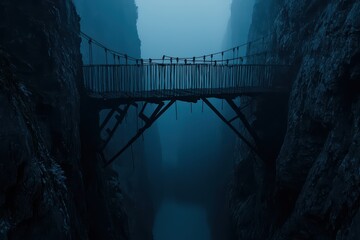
182, 28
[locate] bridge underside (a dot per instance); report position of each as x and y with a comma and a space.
119, 107
111, 99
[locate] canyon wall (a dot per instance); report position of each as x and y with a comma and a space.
53, 186
309, 189
239, 24
41, 194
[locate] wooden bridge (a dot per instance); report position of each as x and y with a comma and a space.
120, 85
187, 82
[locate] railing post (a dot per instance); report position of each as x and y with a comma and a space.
171, 74
238, 54
164, 79
90, 52
106, 56
151, 75
234, 55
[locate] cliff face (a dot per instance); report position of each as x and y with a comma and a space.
312, 190
111, 22
40, 180
49, 189
239, 24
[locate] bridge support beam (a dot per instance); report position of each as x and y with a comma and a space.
149, 121
256, 147
95, 207
244, 120
252, 141
119, 119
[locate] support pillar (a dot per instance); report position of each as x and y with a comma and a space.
93, 173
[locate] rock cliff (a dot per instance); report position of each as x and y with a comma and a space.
312, 186
46, 189
41, 181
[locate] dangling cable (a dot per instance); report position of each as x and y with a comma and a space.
132, 157
176, 110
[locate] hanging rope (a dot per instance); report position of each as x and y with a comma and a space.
132, 157
228, 50
176, 111
235, 59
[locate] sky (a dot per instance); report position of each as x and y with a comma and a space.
182, 27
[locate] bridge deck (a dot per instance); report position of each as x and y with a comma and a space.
189, 95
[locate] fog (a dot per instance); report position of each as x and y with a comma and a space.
182, 27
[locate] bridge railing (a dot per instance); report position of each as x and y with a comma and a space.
157, 77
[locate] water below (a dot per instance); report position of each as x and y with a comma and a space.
181, 221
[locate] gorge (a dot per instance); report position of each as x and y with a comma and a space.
188, 176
